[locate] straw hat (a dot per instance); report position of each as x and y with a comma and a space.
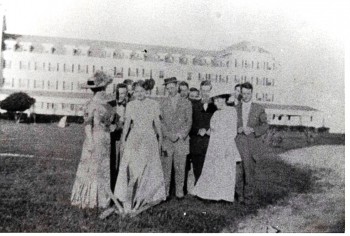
100, 79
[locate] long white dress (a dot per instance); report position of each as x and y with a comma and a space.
218, 178
92, 183
140, 183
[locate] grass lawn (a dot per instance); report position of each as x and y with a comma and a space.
35, 191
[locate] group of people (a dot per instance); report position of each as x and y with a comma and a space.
134, 143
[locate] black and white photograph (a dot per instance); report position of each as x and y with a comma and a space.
172, 116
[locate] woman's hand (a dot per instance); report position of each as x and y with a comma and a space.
202, 132
208, 132
112, 128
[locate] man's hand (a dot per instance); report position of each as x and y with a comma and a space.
112, 128
208, 132
240, 130
202, 132
120, 125
172, 137
248, 130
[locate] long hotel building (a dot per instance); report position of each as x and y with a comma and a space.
52, 69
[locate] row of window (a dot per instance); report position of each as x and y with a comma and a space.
77, 68
69, 85
53, 67
41, 84
264, 81
84, 69
225, 79
138, 72
58, 106
58, 85
79, 107
289, 117
264, 97
256, 65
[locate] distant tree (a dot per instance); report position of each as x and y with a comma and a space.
17, 102
323, 130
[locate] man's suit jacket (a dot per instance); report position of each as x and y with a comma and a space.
178, 121
257, 120
201, 119
116, 134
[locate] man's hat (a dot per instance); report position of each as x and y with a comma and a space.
100, 79
170, 80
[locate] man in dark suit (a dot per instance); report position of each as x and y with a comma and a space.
251, 125
202, 112
119, 105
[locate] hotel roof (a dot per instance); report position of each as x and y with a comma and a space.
96, 46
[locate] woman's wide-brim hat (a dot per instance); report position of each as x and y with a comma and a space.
100, 79
221, 89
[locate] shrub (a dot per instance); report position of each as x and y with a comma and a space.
17, 102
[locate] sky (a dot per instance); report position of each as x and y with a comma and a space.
307, 37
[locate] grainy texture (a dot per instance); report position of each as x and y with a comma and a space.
35, 191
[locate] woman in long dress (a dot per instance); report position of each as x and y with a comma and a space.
140, 183
91, 186
217, 181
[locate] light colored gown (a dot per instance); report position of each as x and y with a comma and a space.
217, 181
140, 183
92, 183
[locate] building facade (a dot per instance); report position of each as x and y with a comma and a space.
57, 67
52, 70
